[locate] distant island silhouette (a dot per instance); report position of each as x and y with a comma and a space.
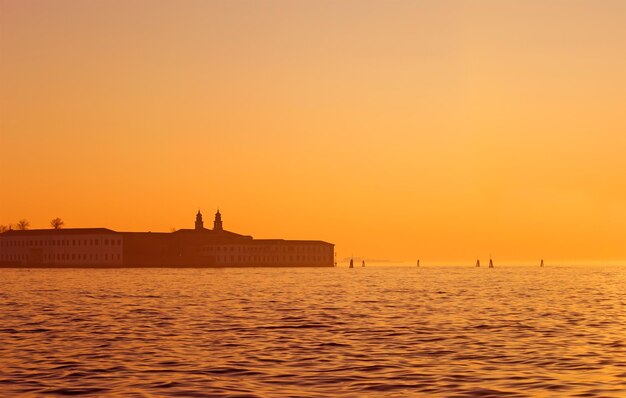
197, 247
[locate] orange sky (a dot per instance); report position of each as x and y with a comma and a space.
443, 130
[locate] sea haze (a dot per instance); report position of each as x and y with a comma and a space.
398, 331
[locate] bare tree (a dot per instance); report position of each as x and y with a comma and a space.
4, 228
57, 223
23, 224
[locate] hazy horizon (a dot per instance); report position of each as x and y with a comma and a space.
439, 130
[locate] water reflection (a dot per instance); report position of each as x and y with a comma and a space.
315, 332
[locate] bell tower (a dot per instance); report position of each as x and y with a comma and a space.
217, 224
199, 222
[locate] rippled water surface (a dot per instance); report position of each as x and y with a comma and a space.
374, 331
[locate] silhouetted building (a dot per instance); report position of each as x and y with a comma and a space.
198, 247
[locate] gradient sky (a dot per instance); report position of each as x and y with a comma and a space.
440, 130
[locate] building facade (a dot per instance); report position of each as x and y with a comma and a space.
198, 247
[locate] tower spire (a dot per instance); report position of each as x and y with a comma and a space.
199, 222
217, 223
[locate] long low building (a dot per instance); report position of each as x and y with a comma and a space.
198, 247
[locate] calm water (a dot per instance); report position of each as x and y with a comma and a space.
432, 331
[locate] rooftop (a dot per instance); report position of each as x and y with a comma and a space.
60, 231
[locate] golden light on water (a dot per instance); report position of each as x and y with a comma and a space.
445, 131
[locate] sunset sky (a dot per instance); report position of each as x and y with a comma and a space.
439, 130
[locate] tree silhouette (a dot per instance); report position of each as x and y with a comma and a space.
23, 224
57, 223
4, 228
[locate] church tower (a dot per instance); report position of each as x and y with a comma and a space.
199, 222
217, 224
